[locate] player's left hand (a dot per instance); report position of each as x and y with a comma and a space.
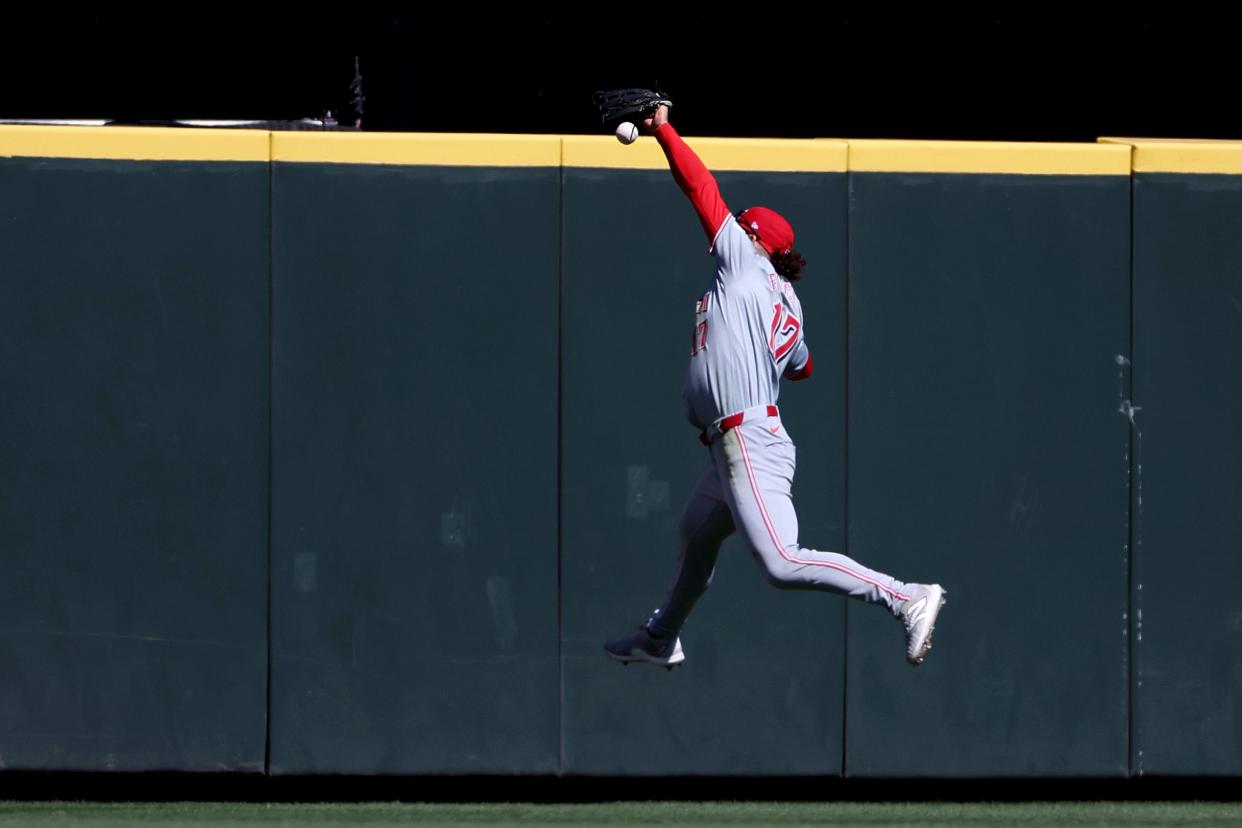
660, 116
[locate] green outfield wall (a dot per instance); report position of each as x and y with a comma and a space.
344, 453
133, 450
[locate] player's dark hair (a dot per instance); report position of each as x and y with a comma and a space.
789, 264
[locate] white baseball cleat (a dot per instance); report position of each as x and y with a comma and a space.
645, 648
919, 614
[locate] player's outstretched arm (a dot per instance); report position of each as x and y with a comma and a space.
691, 175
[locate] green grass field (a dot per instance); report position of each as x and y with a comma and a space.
625, 813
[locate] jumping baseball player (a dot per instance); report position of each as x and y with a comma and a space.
748, 334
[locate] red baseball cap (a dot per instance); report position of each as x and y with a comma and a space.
770, 226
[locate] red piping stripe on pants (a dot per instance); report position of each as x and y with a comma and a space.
754, 486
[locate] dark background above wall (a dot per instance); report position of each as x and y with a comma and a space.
981, 77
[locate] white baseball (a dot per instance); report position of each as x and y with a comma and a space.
627, 133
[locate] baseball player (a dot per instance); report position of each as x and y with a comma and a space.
748, 334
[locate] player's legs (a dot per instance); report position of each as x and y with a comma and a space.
704, 525
756, 469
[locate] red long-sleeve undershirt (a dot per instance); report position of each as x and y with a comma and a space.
802, 373
699, 185
695, 180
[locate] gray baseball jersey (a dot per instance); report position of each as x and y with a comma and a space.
748, 330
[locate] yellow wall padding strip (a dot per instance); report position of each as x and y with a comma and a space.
135, 143
1180, 155
718, 154
1110, 156
988, 157
431, 149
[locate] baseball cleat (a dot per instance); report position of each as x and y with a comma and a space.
919, 614
644, 648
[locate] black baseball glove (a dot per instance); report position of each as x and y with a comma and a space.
633, 105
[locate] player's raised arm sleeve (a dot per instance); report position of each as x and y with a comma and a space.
800, 367
694, 179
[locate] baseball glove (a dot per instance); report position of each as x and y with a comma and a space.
633, 105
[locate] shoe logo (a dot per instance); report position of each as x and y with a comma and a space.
916, 611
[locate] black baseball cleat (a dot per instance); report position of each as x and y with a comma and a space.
644, 648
